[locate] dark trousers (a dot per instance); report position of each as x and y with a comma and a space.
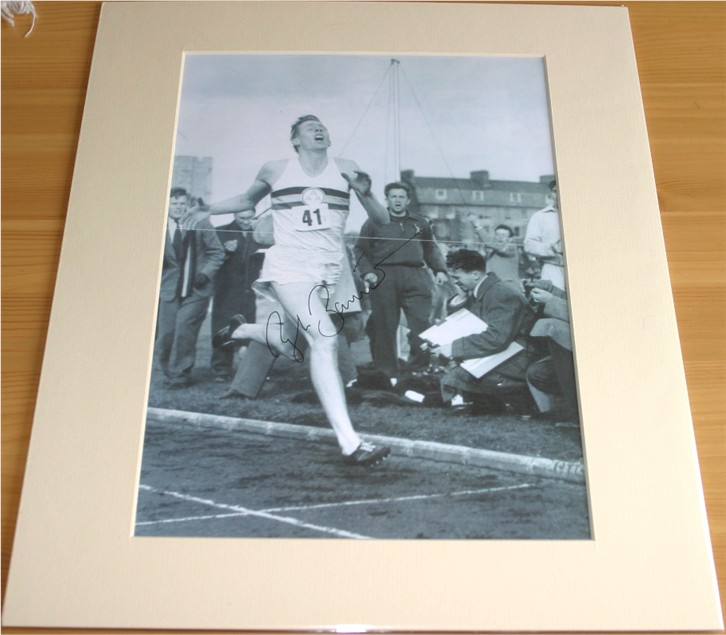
252, 370
403, 288
501, 382
224, 306
352, 331
555, 375
177, 330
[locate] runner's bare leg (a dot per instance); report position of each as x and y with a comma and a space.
317, 328
321, 336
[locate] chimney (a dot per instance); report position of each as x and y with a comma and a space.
481, 177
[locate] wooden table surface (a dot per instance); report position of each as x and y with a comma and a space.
681, 53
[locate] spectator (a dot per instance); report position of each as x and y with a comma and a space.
543, 240
233, 292
192, 256
392, 258
554, 375
502, 255
509, 318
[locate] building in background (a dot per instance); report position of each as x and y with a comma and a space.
194, 174
448, 202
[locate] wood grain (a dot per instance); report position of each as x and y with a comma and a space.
681, 53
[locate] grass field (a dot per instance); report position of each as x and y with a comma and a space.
380, 412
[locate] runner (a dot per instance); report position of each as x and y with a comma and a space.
310, 204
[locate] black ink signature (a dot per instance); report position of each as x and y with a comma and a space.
326, 303
376, 266
339, 308
297, 353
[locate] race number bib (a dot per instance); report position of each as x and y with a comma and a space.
311, 217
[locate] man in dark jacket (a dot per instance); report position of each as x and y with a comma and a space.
233, 292
392, 260
192, 256
509, 318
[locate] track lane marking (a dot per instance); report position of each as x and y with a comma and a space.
258, 514
369, 501
396, 499
189, 518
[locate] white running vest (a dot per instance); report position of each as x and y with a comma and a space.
309, 213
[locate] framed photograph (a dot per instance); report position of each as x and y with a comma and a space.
431, 115
197, 507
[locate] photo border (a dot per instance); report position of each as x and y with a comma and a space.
643, 479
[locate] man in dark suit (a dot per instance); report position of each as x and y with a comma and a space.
192, 255
233, 292
509, 318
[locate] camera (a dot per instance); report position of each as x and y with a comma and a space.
531, 283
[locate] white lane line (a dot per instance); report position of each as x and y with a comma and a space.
371, 501
261, 514
376, 501
189, 518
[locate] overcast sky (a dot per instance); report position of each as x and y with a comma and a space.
458, 114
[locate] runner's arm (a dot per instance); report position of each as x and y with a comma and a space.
260, 188
360, 183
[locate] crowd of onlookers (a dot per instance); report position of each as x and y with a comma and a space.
397, 281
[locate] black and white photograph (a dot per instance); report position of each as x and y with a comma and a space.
379, 291
363, 325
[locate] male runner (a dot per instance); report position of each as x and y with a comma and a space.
310, 204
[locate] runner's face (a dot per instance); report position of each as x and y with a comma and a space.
177, 206
397, 200
312, 135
